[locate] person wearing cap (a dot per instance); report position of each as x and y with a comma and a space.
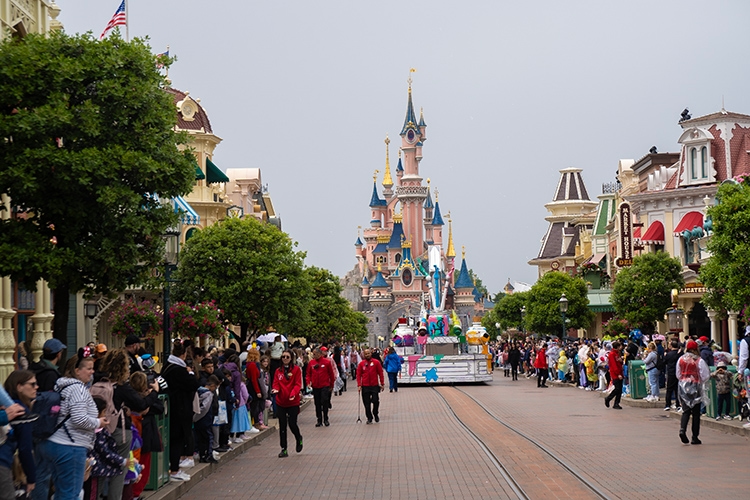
706, 353
692, 371
46, 369
133, 345
723, 389
100, 350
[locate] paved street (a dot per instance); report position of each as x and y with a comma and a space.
419, 450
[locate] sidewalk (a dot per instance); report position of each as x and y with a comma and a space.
727, 426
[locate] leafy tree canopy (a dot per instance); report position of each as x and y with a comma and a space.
543, 304
642, 292
327, 315
508, 310
88, 142
249, 268
727, 270
478, 283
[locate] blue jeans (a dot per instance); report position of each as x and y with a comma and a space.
43, 474
653, 381
393, 380
67, 464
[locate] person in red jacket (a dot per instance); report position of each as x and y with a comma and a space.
370, 382
287, 385
252, 373
320, 376
615, 373
540, 363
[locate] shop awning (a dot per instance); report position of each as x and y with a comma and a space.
188, 215
654, 234
199, 175
597, 258
637, 233
214, 174
599, 301
688, 222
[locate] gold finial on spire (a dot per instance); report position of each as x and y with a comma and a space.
359, 231
436, 195
399, 153
375, 175
451, 251
411, 70
428, 182
387, 179
421, 114
406, 243
463, 252
380, 267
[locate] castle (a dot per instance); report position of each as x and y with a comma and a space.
403, 245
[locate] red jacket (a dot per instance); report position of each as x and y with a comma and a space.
320, 373
541, 359
615, 364
289, 386
253, 374
369, 372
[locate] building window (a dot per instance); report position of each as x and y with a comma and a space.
398, 258
704, 163
693, 161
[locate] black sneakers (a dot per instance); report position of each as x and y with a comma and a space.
299, 445
283, 454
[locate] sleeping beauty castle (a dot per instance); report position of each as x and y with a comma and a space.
404, 265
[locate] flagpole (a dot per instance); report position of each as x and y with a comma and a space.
127, 22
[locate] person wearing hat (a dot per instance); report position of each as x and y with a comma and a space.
723, 389
47, 368
692, 371
100, 350
133, 345
706, 353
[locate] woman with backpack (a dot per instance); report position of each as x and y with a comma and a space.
121, 398
21, 387
64, 453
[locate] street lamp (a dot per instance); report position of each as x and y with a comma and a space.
523, 320
171, 252
563, 310
90, 309
674, 316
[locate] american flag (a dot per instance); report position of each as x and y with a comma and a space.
120, 18
159, 61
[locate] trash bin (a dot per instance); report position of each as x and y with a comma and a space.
713, 396
159, 475
637, 379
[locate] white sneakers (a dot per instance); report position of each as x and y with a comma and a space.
253, 430
237, 440
652, 399
179, 476
187, 463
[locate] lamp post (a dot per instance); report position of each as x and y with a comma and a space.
674, 316
90, 310
523, 321
563, 310
171, 251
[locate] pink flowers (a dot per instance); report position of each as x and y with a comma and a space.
200, 320
136, 317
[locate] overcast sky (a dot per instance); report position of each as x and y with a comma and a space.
512, 92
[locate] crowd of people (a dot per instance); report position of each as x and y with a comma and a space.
679, 367
87, 427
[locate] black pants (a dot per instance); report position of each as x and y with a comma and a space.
371, 400
180, 434
321, 397
541, 376
687, 412
672, 389
202, 439
514, 371
616, 394
723, 403
288, 416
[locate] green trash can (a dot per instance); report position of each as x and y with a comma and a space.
637, 379
713, 396
159, 475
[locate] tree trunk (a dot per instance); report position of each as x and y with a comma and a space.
243, 332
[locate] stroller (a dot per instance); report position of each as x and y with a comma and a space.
740, 392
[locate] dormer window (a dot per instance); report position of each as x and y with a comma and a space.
697, 164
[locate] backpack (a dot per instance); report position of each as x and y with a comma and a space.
47, 406
105, 389
660, 363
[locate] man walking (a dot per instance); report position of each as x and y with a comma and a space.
615, 372
321, 378
370, 381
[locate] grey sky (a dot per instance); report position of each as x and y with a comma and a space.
512, 92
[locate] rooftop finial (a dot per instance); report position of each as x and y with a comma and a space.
451, 251
375, 175
387, 179
463, 252
399, 153
411, 70
436, 195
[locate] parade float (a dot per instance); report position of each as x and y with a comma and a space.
434, 346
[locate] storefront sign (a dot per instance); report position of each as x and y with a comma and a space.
626, 236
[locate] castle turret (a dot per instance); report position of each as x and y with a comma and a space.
377, 204
387, 179
380, 299
436, 226
464, 289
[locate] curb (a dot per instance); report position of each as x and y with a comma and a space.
175, 489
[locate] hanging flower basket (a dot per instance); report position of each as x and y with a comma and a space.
196, 321
141, 318
615, 328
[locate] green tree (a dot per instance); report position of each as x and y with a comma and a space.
327, 315
478, 283
727, 270
543, 304
508, 310
642, 292
249, 268
88, 143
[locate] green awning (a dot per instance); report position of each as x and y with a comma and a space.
599, 300
199, 175
213, 174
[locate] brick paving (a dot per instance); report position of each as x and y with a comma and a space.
419, 451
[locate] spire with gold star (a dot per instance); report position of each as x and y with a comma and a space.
387, 179
451, 251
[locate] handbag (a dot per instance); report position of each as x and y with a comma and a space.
338, 384
609, 389
221, 418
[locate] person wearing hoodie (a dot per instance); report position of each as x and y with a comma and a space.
392, 367
540, 363
287, 386
182, 388
562, 366
64, 453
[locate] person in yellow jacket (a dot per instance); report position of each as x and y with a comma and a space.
562, 366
